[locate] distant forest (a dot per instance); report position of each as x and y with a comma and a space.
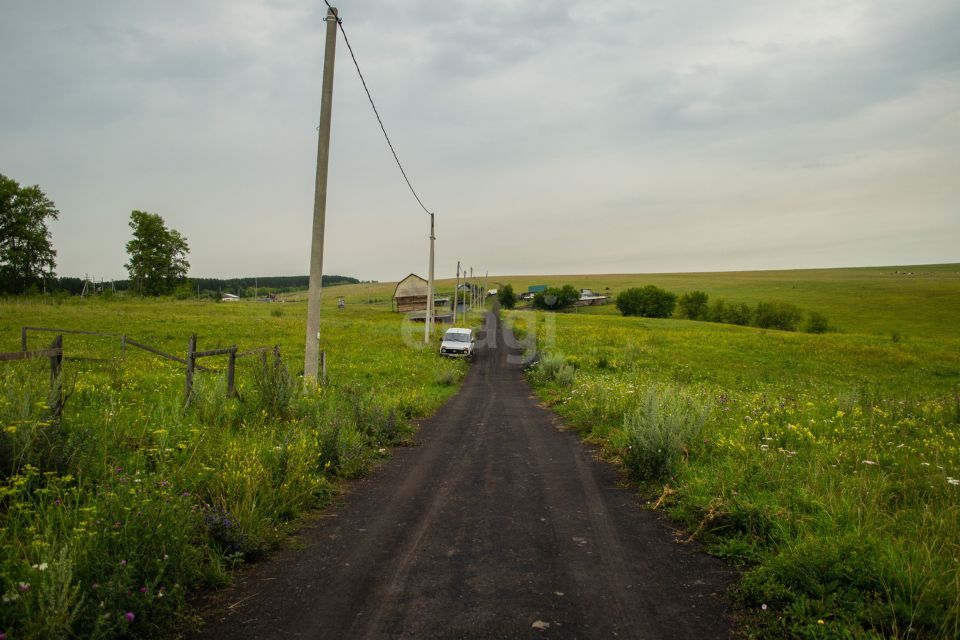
246, 286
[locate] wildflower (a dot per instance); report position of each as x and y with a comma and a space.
129, 616
143, 589
764, 606
40, 567
11, 596
953, 481
821, 622
23, 586
869, 462
123, 563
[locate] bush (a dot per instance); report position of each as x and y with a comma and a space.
740, 314
817, 323
778, 315
657, 433
508, 299
554, 298
554, 366
693, 306
646, 302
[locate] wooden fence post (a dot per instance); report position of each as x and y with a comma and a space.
123, 347
276, 357
56, 379
23, 339
231, 371
191, 363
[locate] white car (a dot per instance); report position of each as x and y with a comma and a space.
457, 343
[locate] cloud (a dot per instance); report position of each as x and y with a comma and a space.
553, 135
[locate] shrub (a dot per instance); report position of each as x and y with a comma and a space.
740, 314
648, 302
554, 298
508, 299
717, 311
554, 366
817, 323
657, 433
693, 305
778, 315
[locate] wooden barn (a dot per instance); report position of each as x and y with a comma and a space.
410, 294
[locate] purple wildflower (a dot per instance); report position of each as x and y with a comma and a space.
129, 616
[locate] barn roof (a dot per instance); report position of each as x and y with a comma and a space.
412, 285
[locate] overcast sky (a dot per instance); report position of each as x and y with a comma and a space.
549, 136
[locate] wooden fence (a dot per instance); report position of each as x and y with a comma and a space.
56, 354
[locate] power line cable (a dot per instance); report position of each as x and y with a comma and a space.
374, 107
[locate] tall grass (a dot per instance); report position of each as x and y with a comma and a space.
826, 467
111, 517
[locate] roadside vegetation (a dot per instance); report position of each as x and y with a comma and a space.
826, 467
110, 516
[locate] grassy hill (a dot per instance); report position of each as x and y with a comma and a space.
913, 300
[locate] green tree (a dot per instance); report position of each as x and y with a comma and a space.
508, 299
158, 256
26, 252
693, 305
556, 298
648, 302
778, 315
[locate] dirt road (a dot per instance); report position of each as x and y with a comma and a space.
497, 525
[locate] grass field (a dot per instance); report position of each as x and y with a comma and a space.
110, 518
875, 300
826, 466
822, 464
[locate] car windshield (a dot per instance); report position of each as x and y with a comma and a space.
457, 337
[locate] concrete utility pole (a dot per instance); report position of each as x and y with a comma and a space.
428, 321
486, 278
312, 354
456, 291
473, 292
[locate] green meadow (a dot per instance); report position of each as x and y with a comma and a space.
916, 300
111, 516
826, 467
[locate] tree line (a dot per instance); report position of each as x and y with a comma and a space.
157, 255
653, 302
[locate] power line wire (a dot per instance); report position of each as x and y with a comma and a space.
374, 107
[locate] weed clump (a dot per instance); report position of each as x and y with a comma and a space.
658, 431
555, 367
274, 387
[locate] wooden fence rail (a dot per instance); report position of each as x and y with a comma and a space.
56, 352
